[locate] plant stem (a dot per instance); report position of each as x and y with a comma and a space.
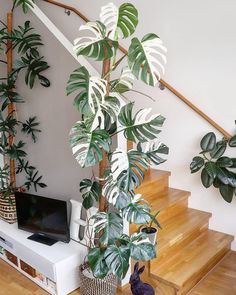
139, 92
114, 67
3, 61
3, 24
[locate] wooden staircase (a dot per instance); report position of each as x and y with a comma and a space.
187, 249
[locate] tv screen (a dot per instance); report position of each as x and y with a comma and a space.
44, 216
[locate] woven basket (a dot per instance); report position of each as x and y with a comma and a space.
8, 209
93, 286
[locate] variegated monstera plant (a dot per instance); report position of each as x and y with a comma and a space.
105, 113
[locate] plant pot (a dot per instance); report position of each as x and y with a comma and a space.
89, 285
151, 233
8, 209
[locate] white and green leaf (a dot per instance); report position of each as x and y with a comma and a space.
147, 58
90, 192
142, 126
120, 22
124, 83
87, 146
96, 45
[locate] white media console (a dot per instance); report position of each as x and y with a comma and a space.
54, 268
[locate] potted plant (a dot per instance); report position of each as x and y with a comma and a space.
106, 114
26, 43
151, 228
216, 168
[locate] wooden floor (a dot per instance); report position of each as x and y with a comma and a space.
14, 283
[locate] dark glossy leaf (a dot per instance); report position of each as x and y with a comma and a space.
117, 259
227, 192
211, 169
232, 141
90, 191
97, 262
224, 162
219, 149
196, 164
207, 180
30, 128
208, 142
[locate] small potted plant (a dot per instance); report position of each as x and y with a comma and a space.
26, 43
106, 114
151, 228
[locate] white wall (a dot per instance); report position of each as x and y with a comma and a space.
200, 36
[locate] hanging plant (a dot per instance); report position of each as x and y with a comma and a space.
217, 169
104, 115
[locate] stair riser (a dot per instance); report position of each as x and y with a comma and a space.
173, 210
181, 242
157, 186
193, 281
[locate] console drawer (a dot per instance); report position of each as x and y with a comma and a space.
28, 269
12, 258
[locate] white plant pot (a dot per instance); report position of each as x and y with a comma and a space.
152, 235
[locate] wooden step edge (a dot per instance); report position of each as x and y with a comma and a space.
209, 273
153, 175
178, 287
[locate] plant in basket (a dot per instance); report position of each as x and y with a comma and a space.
24, 41
107, 114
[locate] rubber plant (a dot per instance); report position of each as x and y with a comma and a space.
217, 169
25, 43
105, 113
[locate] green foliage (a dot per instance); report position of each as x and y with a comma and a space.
90, 192
26, 43
104, 114
216, 169
139, 128
25, 4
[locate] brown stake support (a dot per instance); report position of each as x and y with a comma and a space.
11, 107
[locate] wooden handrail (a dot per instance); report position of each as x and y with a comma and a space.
165, 84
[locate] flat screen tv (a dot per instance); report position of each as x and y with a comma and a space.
45, 217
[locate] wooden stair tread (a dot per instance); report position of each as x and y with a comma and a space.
191, 260
165, 199
154, 175
177, 228
221, 280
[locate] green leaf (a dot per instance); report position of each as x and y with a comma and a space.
109, 224
219, 149
88, 146
227, 192
97, 262
208, 142
120, 22
98, 46
232, 141
90, 192
30, 128
211, 169
141, 248
124, 83
137, 211
224, 162
207, 180
146, 58
140, 128
197, 164
25, 4
117, 260
153, 148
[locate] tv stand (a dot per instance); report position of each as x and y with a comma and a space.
42, 239
55, 268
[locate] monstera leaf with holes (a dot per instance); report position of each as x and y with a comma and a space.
147, 58
90, 192
96, 46
216, 168
139, 127
87, 146
91, 99
120, 22
124, 83
128, 168
108, 225
25, 4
